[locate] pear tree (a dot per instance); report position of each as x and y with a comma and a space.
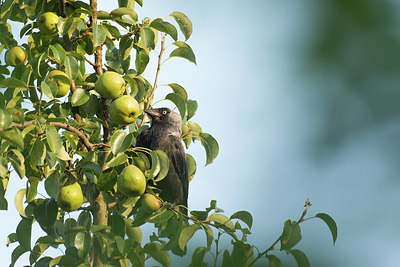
72, 99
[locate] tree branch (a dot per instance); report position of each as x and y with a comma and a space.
150, 98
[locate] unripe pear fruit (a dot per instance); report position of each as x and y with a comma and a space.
124, 110
62, 84
150, 203
110, 85
16, 56
131, 181
70, 197
47, 23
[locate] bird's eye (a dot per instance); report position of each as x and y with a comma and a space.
164, 112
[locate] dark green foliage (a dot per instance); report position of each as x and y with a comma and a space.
60, 141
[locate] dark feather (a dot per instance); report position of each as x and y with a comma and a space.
164, 134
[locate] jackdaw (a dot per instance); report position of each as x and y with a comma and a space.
165, 134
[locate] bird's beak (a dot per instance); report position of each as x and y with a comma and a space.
151, 112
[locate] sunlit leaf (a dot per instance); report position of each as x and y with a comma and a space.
210, 145
19, 202
12, 83
142, 59
118, 160
178, 89
179, 103
184, 23
156, 251
71, 67
191, 108
107, 180
164, 165
186, 234
147, 36
116, 140
99, 34
79, 97
222, 220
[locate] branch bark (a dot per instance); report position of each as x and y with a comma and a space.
99, 205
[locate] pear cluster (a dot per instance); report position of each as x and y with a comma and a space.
132, 183
124, 109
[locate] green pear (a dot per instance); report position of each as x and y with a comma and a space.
124, 110
150, 203
131, 181
62, 81
70, 197
16, 56
47, 23
110, 85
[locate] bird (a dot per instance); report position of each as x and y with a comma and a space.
165, 134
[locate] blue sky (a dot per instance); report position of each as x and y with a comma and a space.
254, 101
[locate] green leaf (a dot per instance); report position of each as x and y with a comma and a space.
274, 261
49, 88
55, 143
52, 184
198, 257
17, 252
184, 23
186, 234
156, 251
32, 191
15, 137
116, 140
38, 152
18, 163
191, 108
99, 34
164, 165
300, 258
19, 202
140, 2
107, 179
12, 83
178, 89
46, 215
147, 36
222, 220
227, 260
210, 145
71, 67
64, 24
83, 242
24, 230
165, 27
118, 160
142, 59
59, 52
191, 166
155, 166
79, 97
124, 11
244, 216
331, 224
64, 260
179, 103
125, 46
291, 235
161, 215
85, 220
184, 52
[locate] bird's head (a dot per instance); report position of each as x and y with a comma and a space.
166, 118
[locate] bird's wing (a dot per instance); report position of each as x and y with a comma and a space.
178, 159
143, 139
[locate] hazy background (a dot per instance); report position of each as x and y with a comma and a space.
304, 99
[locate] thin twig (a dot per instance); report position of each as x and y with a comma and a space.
72, 129
150, 98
